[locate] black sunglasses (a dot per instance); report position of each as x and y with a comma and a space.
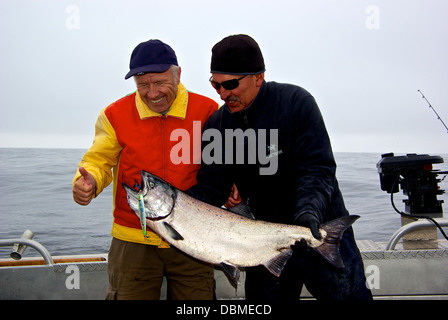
228, 85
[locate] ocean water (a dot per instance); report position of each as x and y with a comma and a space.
36, 194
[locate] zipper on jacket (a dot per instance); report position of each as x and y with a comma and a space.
164, 146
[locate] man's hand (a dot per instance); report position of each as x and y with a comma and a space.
310, 221
84, 188
234, 198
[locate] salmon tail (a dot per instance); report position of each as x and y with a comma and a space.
329, 249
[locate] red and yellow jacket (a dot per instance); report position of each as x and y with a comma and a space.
130, 137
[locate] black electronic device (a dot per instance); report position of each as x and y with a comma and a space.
415, 174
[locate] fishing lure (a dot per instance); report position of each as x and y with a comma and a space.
141, 207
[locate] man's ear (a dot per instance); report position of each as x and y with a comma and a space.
259, 79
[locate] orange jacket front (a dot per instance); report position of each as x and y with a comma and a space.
130, 137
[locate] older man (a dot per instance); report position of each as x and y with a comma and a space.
300, 189
133, 134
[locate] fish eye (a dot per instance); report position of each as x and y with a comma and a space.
151, 185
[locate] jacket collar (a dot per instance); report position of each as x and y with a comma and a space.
178, 109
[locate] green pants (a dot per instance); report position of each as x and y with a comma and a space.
136, 272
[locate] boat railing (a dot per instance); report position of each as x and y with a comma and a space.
410, 227
31, 243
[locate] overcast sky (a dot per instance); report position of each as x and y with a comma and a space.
61, 62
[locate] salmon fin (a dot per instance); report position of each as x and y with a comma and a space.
329, 249
277, 263
173, 232
242, 209
232, 272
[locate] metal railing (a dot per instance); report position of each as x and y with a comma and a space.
20, 244
416, 225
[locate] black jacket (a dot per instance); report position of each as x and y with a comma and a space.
303, 182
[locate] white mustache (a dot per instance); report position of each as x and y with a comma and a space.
232, 99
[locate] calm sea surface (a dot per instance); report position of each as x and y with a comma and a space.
36, 194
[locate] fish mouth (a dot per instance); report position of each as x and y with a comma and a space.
158, 197
132, 196
130, 191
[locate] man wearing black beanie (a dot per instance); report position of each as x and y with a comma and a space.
302, 189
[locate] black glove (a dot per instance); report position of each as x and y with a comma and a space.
310, 221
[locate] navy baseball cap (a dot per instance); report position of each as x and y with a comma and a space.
151, 56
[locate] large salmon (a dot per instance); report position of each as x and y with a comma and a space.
220, 237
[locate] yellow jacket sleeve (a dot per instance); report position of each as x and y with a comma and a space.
103, 155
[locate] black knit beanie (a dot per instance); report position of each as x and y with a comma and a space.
237, 54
